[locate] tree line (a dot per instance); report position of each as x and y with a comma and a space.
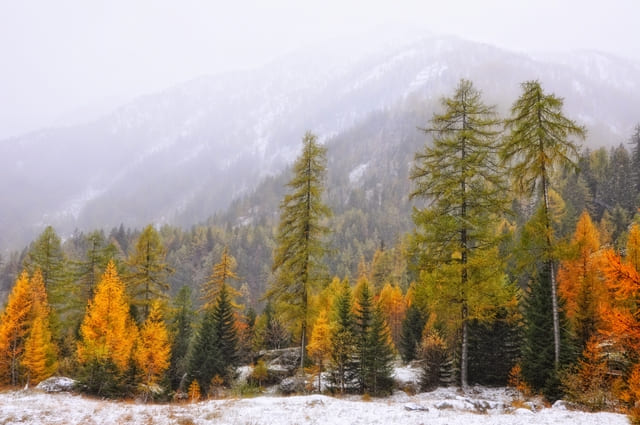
521, 268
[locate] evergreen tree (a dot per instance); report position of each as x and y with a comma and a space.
412, 327
181, 328
91, 267
379, 356
539, 142
342, 340
618, 187
205, 359
149, 271
455, 235
363, 318
225, 332
300, 250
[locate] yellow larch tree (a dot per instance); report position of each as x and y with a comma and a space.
580, 281
40, 358
107, 331
153, 350
633, 246
319, 347
394, 306
221, 274
14, 326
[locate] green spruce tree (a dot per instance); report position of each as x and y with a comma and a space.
181, 327
342, 340
379, 356
411, 335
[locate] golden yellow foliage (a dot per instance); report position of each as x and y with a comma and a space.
14, 325
221, 273
194, 391
153, 351
107, 331
394, 307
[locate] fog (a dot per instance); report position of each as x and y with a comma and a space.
65, 61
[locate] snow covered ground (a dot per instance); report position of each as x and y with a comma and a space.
443, 406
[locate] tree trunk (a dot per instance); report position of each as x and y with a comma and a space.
464, 357
554, 290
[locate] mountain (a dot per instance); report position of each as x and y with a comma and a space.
186, 153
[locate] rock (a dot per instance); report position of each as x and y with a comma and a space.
413, 407
56, 384
560, 405
444, 405
293, 384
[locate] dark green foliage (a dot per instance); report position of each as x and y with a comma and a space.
362, 324
619, 186
635, 162
379, 357
412, 327
538, 367
495, 349
102, 379
205, 358
225, 332
341, 370
181, 329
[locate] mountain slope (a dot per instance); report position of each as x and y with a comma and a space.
181, 155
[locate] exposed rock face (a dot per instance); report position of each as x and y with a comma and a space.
281, 363
293, 384
57, 384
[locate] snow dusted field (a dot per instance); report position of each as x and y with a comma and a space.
443, 406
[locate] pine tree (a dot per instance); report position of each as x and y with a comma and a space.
149, 272
222, 272
342, 340
320, 345
300, 249
181, 329
539, 142
205, 359
635, 162
455, 235
14, 326
412, 327
363, 318
107, 335
152, 352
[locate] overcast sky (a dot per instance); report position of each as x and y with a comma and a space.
60, 57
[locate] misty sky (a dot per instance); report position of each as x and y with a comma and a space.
66, 58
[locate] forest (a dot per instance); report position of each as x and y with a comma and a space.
506, 254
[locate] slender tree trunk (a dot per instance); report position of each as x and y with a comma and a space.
464, 357
554, 290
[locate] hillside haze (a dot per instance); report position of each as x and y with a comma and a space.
186, 153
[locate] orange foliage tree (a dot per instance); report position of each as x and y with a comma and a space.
580, 281
320, 345
153, 351
40, 354
14, 326
394, 307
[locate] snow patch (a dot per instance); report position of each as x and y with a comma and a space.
357, 173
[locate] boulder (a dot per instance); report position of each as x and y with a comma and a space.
56, 384
292, 384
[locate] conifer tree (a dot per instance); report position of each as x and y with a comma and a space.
393, 306
40, 355
221, 274
379, 356
149, 271
580, 283
152, 352
363, 319
320, 345
412, 327
538, 143
181, 323
108, 334
205, 359
300, 248
635, 161
226, 332
96, 258
14, 326
342, 339
456, 235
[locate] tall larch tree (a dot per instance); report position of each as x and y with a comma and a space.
40, 358
455, 238
580, 283
148, 279
152, 352
392, 303
539, 142
300, 246
222, 273
14, 326
107, 334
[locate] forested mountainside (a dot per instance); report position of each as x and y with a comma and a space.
182, 155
